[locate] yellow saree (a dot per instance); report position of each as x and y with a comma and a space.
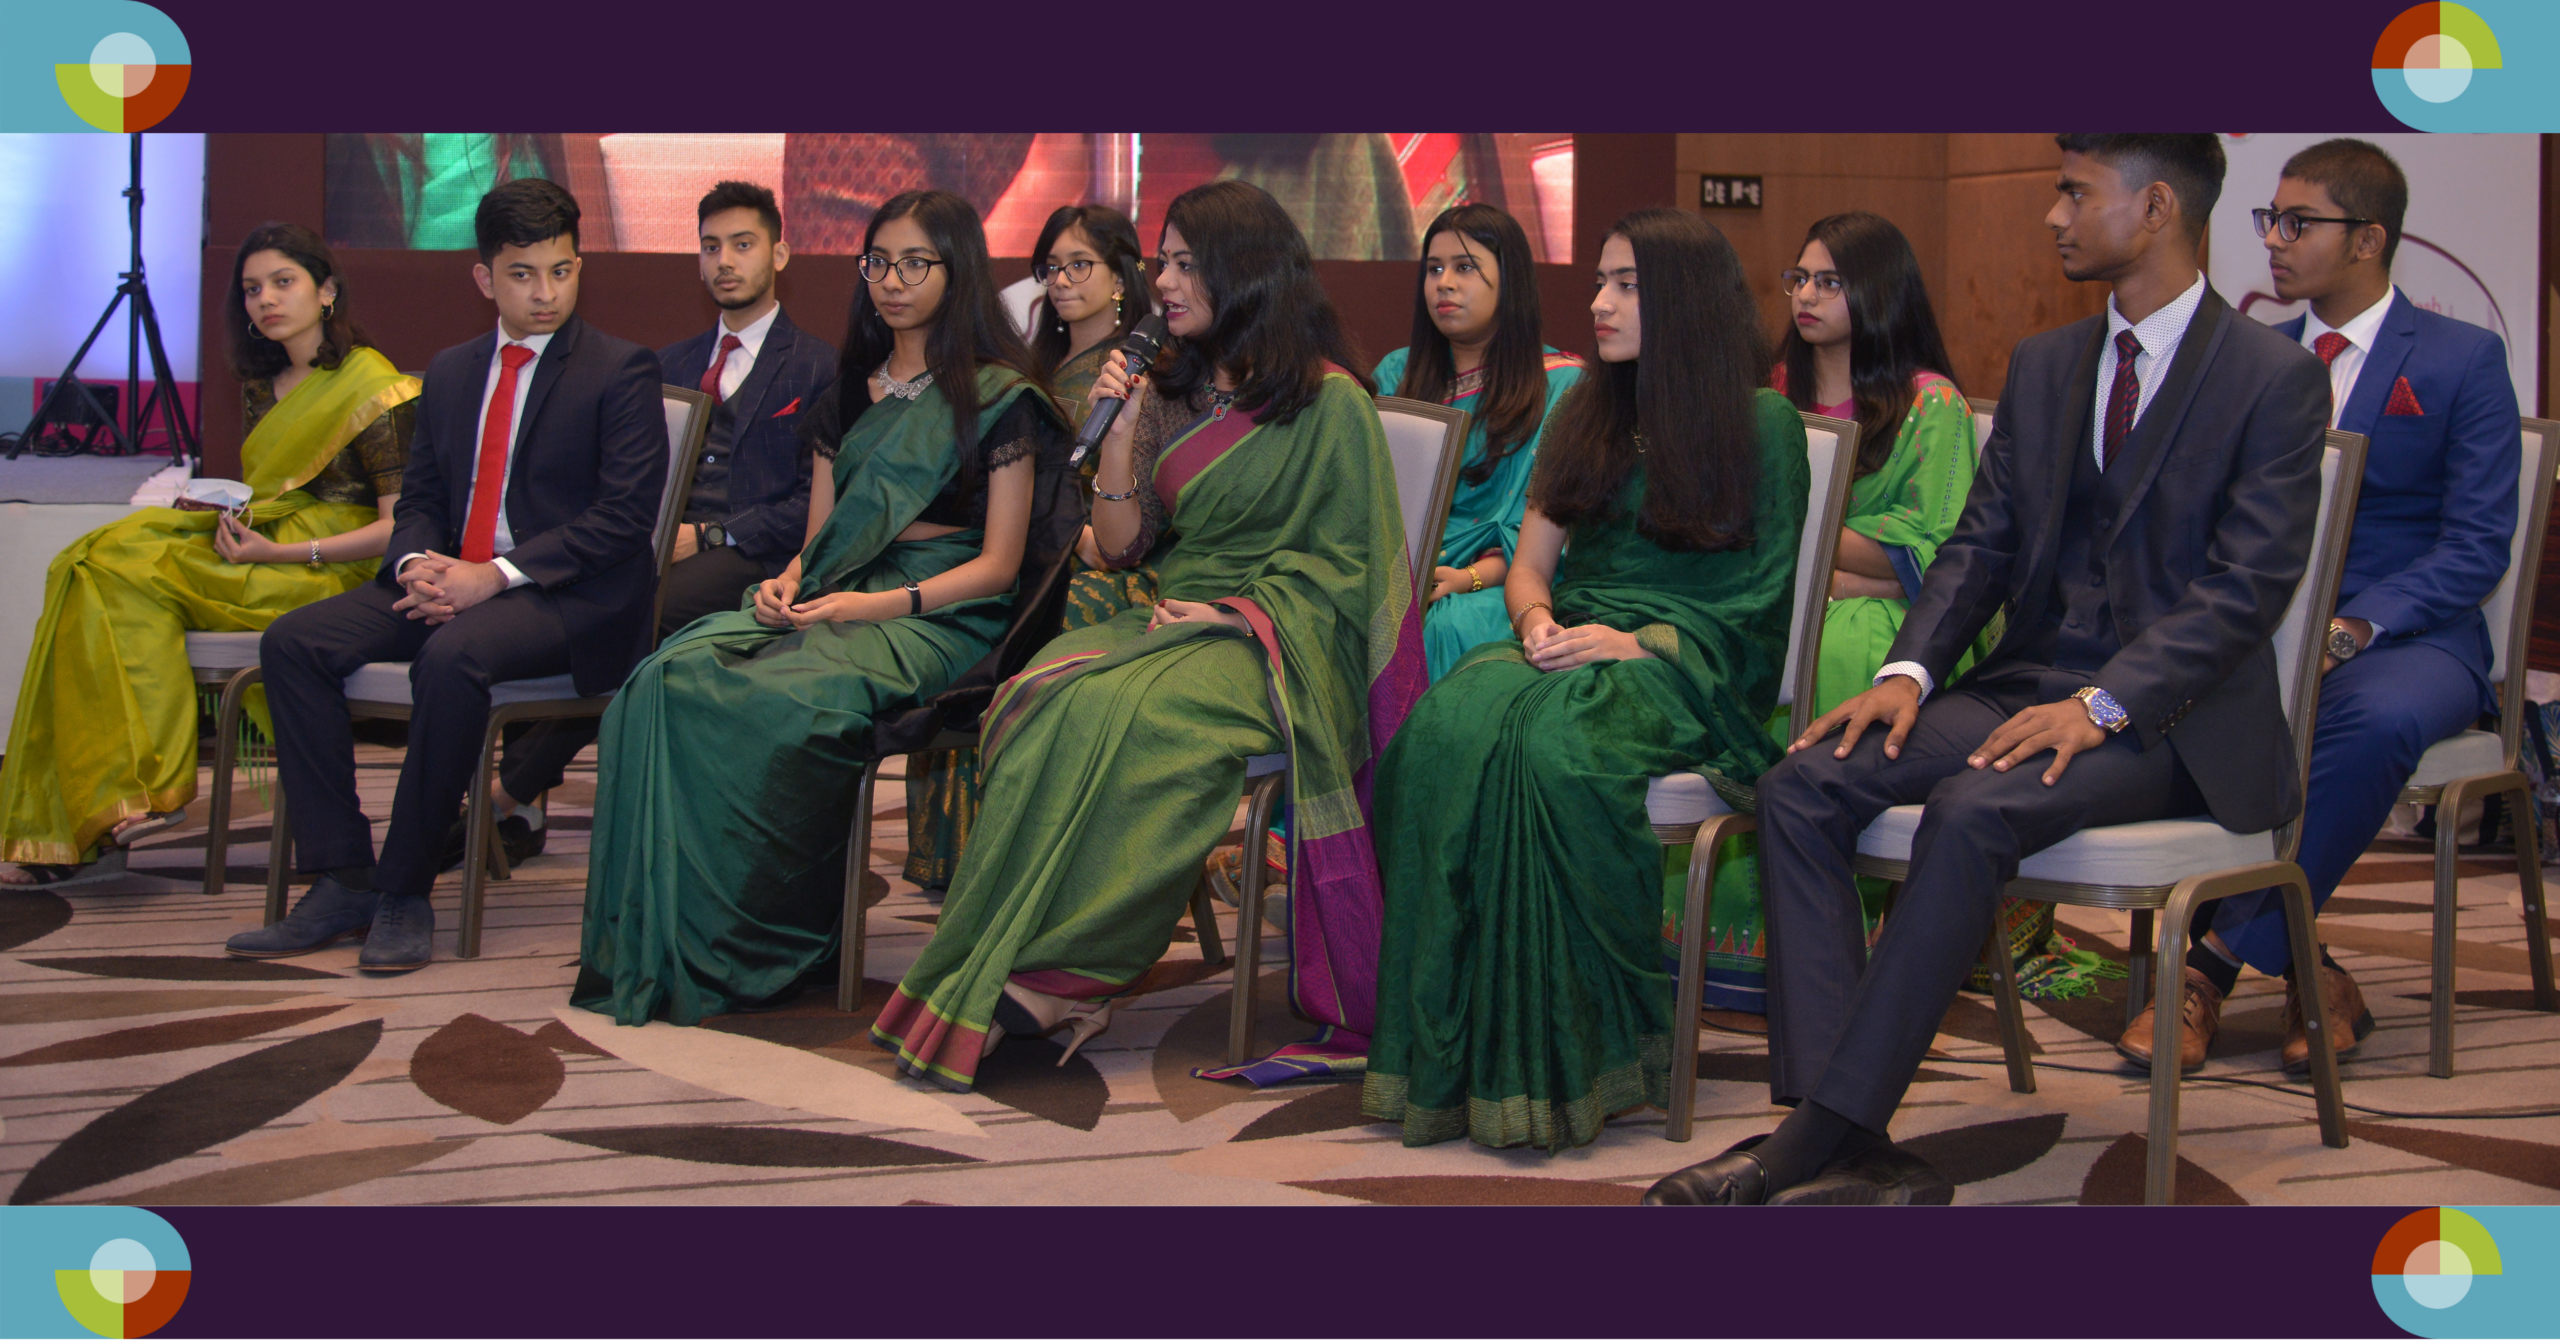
106, 723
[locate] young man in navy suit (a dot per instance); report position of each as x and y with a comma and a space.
2408, 650
521, 548
748, 513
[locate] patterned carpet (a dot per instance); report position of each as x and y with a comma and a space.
138, 1065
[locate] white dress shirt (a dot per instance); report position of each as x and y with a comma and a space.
2159, 334
742, 360
2360, 331
504, 541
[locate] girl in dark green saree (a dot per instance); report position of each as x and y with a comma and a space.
727, 774
1521, 997
1286, 624
1094, 288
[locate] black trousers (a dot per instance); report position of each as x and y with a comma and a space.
1849, 1032
306, 654
710, 581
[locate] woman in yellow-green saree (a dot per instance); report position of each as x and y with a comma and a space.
103, 750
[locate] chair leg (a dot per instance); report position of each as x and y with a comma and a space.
1204, 921
2160, 1174
279, 854
1249, 928
2317, 1023
226, 751
1691, 988
2137, 965
2012, 1011
2537, 929
477, 832
852, 936
2440, 985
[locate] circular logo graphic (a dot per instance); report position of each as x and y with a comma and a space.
124, 1292
2435, 47
2436, 1254
124, 84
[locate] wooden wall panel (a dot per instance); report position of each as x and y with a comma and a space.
2005, 281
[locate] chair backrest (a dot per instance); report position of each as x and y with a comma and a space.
1831, 451
1982, 412
2510, 605
688, 417
1426, 442
2300, 639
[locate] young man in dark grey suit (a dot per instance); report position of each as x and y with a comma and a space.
747, 515
2143, 512
521, 548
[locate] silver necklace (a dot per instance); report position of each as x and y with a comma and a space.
1219, 402
903, 390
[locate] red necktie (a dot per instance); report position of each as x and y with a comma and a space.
489, 483
711, 379
2329, 346
2122, 400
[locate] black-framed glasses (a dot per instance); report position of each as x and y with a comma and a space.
1828, 283
875, 268
1077, 271
2288, 225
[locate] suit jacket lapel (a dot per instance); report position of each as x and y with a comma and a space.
546, 374
748, 403
2080, 394
2382, 364
2149, 444
464, 407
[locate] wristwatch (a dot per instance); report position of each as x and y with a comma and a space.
712, 536
2342, 643
2103, 711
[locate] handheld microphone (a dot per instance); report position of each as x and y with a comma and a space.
1140, 345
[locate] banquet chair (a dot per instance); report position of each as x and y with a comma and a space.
1685, 808
1427, 443
380, 691
2483, 763
2161, 868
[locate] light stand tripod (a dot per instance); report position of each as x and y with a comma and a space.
142, 321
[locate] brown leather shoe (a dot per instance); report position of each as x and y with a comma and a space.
2347, 1014
2199, 1017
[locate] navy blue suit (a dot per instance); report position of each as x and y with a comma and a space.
768, 476
2431, 534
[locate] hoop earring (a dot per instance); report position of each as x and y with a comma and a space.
328, 310
254, 332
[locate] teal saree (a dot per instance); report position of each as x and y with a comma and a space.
728, 762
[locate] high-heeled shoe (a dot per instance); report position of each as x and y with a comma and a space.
1023, 1012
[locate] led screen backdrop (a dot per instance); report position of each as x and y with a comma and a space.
1357, 196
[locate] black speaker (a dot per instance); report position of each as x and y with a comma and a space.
73, 410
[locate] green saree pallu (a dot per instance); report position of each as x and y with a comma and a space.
1484, 516
1521, 999
106, 723
1909, 505
1115, 762
729, 761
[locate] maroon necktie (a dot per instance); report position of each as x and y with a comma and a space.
2329, 346
2122, 399
711, 379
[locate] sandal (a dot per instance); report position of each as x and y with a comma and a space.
109, 866
157, 821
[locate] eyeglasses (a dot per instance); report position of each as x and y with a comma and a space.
2288, 225
1076, 271
1828, 283
875, 268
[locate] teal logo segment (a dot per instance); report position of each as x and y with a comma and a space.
91, 65
2473, 1271
83, 1270
2482, 65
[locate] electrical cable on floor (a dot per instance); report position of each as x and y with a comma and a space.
2278, 1088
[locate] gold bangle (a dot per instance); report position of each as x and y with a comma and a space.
1524, 613
1476, 577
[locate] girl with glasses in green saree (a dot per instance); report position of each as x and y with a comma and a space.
1521, 999
103, 750
1284, 624
729, 761
1475, 346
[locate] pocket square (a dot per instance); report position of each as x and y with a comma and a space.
794, 406
2403, 400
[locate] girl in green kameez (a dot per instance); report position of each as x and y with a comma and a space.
1094, 288
729, 761
103, 749
1521, 999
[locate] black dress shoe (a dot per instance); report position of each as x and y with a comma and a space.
1734, 1177
329, 913
1881, 1174
403, 935
517, 837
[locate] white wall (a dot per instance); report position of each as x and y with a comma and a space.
2470, 249
63, 242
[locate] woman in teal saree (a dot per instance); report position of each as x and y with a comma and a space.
1285, 624
730, 759
1475, 346
1520, 996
